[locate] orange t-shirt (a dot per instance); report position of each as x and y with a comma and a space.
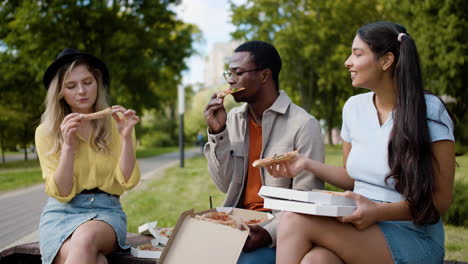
251, 199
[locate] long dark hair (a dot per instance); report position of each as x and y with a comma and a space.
410, 155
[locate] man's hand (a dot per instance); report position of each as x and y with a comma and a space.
215, 115
258, 238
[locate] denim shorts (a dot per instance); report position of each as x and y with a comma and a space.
414, 244
60, 220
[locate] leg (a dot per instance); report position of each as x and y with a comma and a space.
63, 252
89, 240
321, 255
101, 259
260, 256
298, 234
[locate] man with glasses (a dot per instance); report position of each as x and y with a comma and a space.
267, 124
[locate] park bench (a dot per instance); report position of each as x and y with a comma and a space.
29, 253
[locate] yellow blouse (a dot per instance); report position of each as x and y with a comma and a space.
91, 169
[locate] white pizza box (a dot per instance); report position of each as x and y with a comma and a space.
144, 229
198, 241
158, 238
150, 254
314, 196
308, 208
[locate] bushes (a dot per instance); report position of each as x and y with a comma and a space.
458, 213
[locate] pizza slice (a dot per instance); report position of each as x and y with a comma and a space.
228, 91
103, 113
221, 218
166, 231
275, 159
149, 247
254, 221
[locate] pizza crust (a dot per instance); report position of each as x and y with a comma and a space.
275, 159
106, 112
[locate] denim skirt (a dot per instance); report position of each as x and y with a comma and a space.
60, 220
414, 244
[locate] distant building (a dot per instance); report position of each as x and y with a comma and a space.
216, 62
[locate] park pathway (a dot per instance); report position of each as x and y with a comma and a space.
21, 209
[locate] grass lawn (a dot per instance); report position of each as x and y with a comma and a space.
150, 152
11, 180
166, 198
182, 189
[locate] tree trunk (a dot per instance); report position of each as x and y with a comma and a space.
331, 114
25, 142
2, 142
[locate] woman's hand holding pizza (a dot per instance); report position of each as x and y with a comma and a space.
69, 127
288, 168
366, 213
126, 121
215, 114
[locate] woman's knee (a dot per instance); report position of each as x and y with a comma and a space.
320, 255
293, 222
84, 240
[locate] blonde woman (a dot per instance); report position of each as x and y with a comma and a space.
86, 164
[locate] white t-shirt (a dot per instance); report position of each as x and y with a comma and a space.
367, 162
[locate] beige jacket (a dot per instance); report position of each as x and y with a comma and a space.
285, 127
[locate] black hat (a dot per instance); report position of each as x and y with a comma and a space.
69, 55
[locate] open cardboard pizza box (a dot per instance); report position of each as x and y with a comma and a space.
198, 241
315, 202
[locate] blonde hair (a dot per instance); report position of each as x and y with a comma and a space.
56, 108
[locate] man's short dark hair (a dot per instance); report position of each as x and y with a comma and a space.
265, 56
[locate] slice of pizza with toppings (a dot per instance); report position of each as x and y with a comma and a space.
221, 218
166, 231
228, 91
275, 159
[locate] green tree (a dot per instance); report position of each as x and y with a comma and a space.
314, 40
440, 30
142, 42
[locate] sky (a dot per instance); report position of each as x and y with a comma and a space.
212, 17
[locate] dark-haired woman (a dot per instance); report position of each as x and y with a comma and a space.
399, 162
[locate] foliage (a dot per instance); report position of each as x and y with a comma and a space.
194, 118
314, 40
456, 243
458, 212
142, 42
440, 30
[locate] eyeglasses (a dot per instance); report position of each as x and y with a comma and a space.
229, 73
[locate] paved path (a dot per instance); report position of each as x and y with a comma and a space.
20, 210
15, 157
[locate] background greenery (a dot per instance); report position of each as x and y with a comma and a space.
314, 39
179, 190
142, 42
145, 47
